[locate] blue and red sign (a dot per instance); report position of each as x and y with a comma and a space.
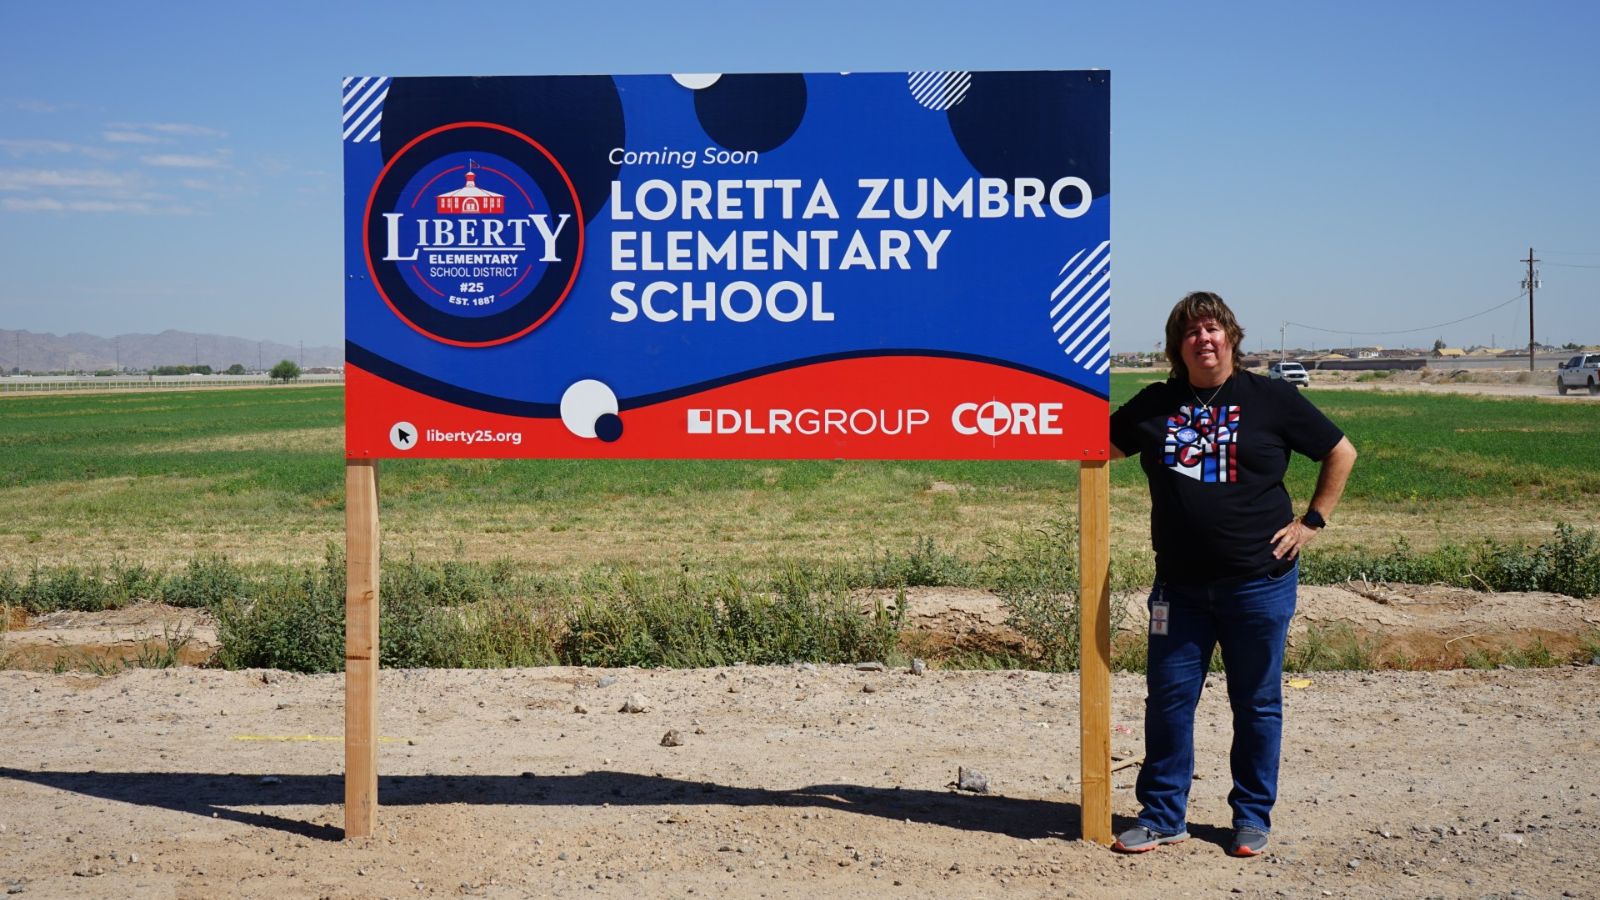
898, 266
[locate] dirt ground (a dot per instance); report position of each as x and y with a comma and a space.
1481, 382
816, 781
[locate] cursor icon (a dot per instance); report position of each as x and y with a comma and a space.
403, 435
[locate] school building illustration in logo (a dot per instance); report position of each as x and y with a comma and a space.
471, 200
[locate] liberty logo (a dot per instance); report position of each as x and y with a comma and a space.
454, 230
474, 234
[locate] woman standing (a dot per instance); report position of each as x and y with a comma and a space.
1214, 443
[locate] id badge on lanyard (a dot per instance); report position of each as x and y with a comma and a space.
1160, 616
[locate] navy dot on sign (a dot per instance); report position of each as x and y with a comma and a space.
608, 427
752, 112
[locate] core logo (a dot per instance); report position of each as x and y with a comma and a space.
474, 234
995, 418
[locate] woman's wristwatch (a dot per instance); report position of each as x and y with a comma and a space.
1313, 519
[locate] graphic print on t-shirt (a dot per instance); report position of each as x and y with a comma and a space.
1201, 443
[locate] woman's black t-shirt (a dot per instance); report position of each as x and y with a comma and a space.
1215, 467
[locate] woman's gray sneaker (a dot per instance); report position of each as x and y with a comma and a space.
1248, 841
1140, 839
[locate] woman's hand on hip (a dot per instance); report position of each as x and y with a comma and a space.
1291, 539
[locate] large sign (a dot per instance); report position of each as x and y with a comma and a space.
889, 265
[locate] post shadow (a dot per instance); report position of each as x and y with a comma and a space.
219, 795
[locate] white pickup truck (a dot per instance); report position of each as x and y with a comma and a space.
1581, 371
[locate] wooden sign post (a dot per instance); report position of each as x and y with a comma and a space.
360, 647
1094, 647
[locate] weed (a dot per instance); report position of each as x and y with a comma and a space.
1590, 645
1568, 564
1402, 661
1534, 656
205, 581
167, 654
1325, 647
1035, 574
721, 622
1130, 652
924, 565
293, 621
100, 667
67, 587
506, 633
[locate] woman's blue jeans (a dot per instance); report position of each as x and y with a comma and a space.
1251, 622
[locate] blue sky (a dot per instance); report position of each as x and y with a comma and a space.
1360, 167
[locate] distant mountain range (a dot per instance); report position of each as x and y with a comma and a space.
30, 351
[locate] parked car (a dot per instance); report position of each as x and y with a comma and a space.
1292, 372
1581, 371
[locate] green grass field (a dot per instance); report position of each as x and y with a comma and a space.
256, 474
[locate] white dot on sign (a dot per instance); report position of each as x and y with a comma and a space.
403, 435
696, 81
584, 403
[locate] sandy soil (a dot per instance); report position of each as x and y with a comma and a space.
804, 780
1480, 382
790, 781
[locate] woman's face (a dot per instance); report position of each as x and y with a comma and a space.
1206, 351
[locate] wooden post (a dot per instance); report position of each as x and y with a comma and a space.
1094, 647
361, 647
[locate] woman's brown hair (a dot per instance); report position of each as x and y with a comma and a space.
1201, 305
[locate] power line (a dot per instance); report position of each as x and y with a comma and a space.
1570, 265
1347, 331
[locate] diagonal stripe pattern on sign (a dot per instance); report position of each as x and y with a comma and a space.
363, 107
938, 91
1080, 309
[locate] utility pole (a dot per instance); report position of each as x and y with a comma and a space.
1283, 330
1531, 282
